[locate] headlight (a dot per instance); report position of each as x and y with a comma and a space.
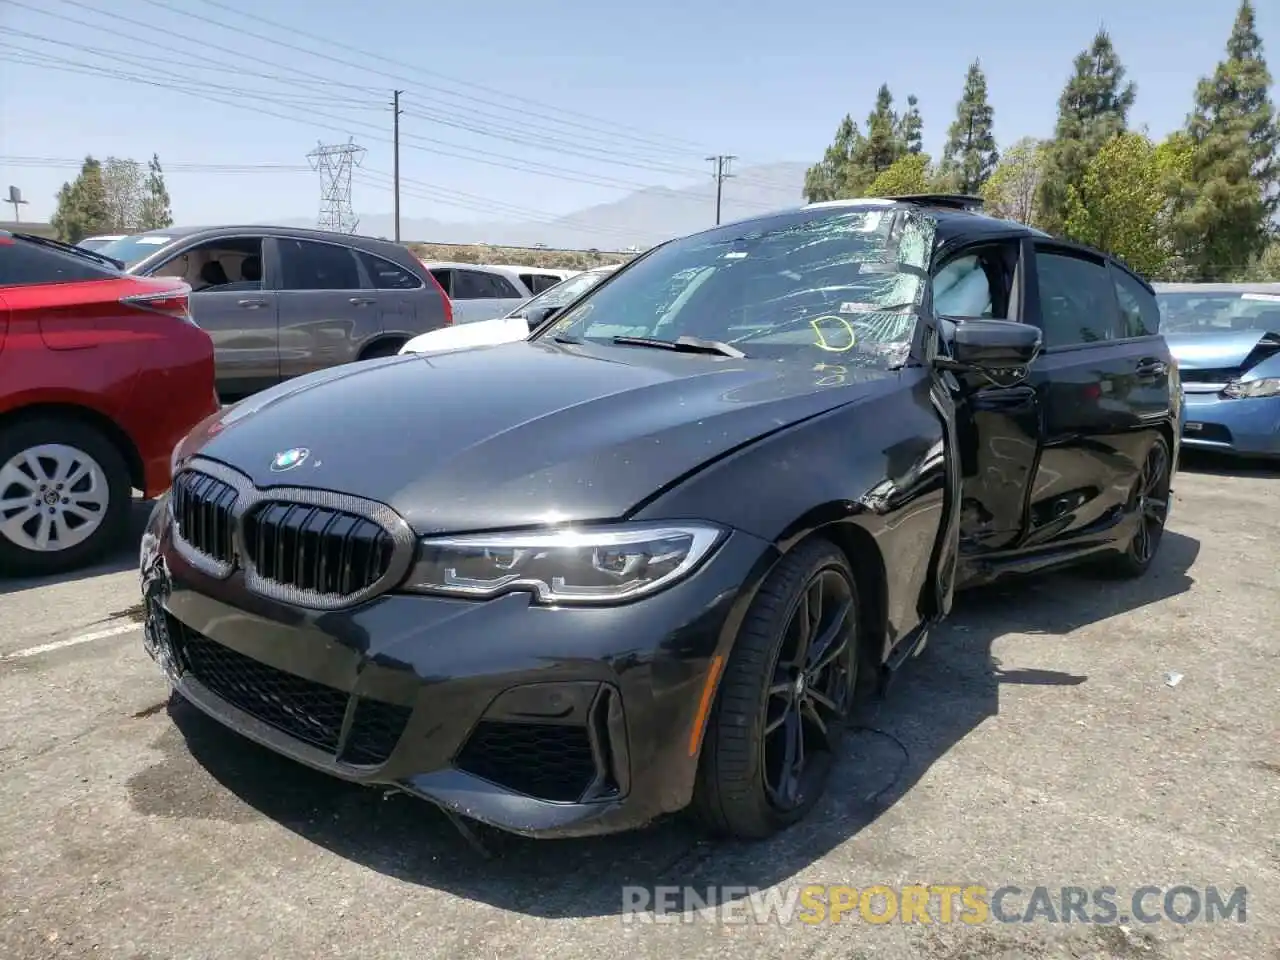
585, 566
1239, 389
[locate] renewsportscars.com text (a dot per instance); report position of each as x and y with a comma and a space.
970, 904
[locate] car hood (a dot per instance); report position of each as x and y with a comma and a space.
482, 333
520, 433
1211, 351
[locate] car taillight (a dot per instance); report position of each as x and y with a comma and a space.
169, 303
444, 298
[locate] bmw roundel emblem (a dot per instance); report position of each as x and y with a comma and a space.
288, 459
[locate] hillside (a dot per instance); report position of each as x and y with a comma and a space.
639, 219
523, 256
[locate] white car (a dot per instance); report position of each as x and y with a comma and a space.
478, 291
512, 326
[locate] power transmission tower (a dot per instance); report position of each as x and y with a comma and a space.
335, 163
720, 171
395, 139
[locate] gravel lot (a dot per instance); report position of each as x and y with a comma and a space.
1036, 742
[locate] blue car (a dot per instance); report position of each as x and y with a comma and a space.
1226, 340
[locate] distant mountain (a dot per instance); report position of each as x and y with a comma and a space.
642, 218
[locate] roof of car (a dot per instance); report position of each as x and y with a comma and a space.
269, 230
1272, 288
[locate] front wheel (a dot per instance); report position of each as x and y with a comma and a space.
64, 497
774, 732
1150, 501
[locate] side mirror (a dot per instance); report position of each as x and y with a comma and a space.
538, 315
992, 344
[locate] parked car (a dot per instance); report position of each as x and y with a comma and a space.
1226, 339
537, 279
101, 374
98, 242
479, 291
653, 555
281, 302
516, 325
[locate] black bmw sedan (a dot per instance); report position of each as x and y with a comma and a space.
653, 556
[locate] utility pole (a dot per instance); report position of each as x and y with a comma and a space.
720, 171
395, 138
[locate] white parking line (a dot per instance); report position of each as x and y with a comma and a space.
72, 641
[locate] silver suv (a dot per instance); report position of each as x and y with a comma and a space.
280, 302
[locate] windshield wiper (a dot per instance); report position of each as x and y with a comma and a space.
685, 344
72, 249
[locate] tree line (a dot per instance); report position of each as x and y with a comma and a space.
112, 196
1195, 206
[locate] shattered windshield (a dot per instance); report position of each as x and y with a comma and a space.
815, 286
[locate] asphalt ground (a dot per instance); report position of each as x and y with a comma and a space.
1060, 731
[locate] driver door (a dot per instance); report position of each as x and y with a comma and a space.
997, 423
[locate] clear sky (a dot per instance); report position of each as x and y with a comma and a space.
530, 110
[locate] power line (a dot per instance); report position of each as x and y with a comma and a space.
180, 167
561, 147
314, 118
538, 139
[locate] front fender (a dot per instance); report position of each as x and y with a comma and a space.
874, 472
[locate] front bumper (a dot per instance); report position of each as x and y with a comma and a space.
1245, 427
544, 722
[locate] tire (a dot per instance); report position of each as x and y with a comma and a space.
103, 485
382, 350
1151, 498
738, 792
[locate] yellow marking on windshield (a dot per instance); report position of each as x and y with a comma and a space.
822, 344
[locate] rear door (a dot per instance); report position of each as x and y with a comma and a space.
480, 295
407, 304
327, 308
1102, 382
230, 302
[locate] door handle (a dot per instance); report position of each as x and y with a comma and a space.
363, 301
252, 304
1151, 368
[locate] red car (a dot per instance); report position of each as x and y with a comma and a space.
101, 374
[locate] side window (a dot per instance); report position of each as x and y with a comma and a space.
537, 282
445, 279
1139, 312
307, 265
474, 285
217, 266
1077, 299
387, 275
23, 263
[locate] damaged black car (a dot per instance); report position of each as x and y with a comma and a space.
652, 557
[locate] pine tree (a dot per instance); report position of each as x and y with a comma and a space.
155, 212
82, 205
1093, 108
911, 127
1221, 224
883, 144
970, 156
829, 178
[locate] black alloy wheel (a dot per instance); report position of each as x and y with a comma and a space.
1149, 503
811, 689
775, 730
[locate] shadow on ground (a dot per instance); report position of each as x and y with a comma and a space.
1218, 465
896, 742
121, 559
